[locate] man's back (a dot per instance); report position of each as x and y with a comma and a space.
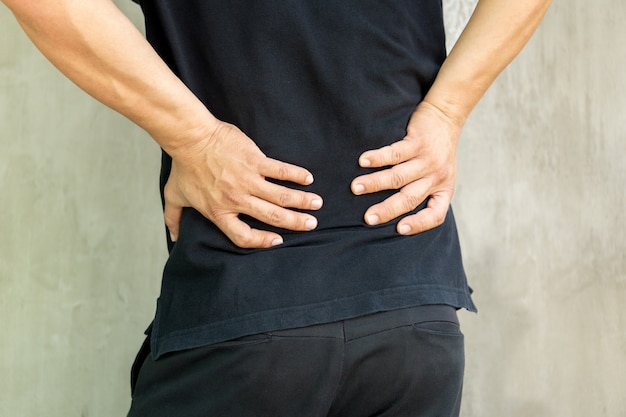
314, 84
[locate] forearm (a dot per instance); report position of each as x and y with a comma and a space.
100, 50
496, 32
94, 44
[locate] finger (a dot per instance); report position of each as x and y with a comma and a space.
393, 178
244, 236
277, 216
402, 202
173, 209
172, 215
287, 197
284, 171
393, 154
430, 217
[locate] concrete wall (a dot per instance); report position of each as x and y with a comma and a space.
81, 240
540, 202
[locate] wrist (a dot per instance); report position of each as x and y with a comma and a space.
448, 109
455, 98
186, 135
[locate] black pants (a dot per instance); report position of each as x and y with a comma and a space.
401, 363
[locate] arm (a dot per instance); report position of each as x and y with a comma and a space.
423, 163
216, 168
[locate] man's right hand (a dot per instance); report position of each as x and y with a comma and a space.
225, 176
221, 172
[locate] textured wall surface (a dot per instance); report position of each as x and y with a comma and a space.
82, 245
540, 201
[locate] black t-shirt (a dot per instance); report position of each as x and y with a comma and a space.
314, 83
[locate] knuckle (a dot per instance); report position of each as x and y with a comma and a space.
284, 199
374, 185
306, 200
396, 157
390, 156
387, 212
232, 198
411, 201
441, 175
274, 216
446, 173
283, 172
397, 180
385, 155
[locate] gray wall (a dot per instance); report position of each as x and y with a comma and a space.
540, 201
540, 204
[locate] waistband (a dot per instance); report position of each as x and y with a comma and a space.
355, 328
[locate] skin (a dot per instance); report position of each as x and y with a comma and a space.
220, 172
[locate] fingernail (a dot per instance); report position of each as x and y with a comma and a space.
309, 180
173, 237
373, 219
404, 229
310, 224
358, 188
277, 241
316, 204
365, 162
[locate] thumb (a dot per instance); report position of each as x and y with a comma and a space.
172, 214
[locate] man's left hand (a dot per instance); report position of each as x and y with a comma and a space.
422, 165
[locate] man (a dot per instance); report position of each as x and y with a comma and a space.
308, 168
